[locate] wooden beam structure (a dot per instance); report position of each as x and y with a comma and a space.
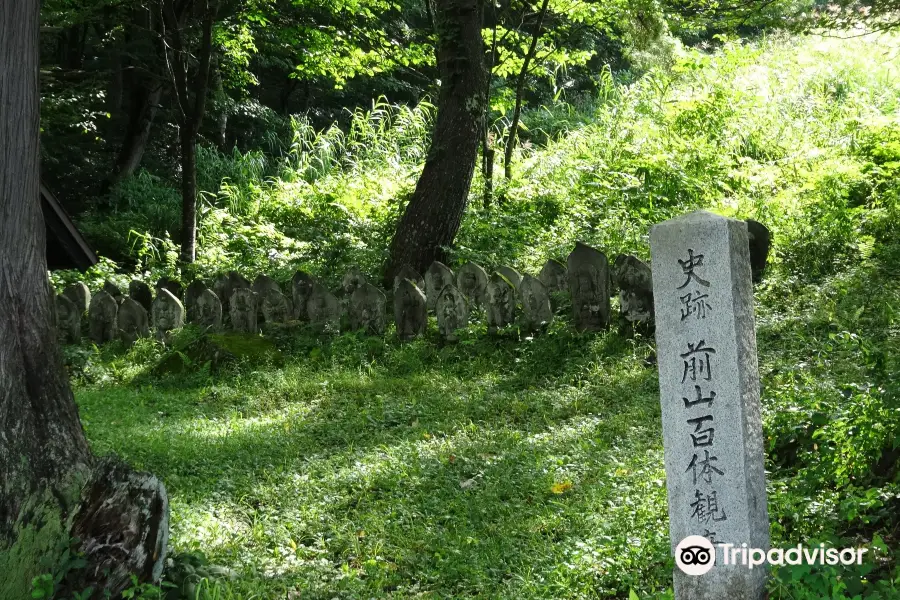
66, 248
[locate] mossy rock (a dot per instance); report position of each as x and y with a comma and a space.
219, 349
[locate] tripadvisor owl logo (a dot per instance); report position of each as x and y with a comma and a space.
695, 555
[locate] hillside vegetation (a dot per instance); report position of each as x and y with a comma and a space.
528, 466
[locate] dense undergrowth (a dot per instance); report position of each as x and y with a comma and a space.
531, 466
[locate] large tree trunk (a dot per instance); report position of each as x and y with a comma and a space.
520, 92
40, 435
49, 482
433, 215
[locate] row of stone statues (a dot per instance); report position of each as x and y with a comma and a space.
586, 277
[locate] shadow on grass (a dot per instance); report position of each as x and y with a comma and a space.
329, 416
415, 463
469, 511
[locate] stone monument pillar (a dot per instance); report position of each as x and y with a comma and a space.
709, 391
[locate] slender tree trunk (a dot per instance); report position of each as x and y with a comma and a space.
190, 132
287, 90
487, 167
487, 152
51, 488
70, 47
191, 107
115, 90
221, 105
429, 13
188, 195
114, 45
143, 89
520, 91
435, 211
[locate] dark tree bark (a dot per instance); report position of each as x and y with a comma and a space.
143, 105
188, 195
520, 91
141, 81
433, 215
190, 101
221, 102
70, 46
34, 392
290, 86
429, 13
46, 468
113, 45
487, 151
116, 88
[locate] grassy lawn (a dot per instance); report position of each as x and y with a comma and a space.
511, 468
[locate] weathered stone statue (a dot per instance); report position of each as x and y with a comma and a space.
410, 314
407, 272
589, 286
352, 280
276, 308
301, 287
264, 284
760, 240
80, 296
514, 277
168, 313
243, 310
634, 281
322, 309
501, 302
133, 321
207, 311
191, 295
535, 303
367, 306
452, 312
141, 293
112, 289
102, 318
554, 277
172, 285
224, 287
472, 280
437, 277
68, 320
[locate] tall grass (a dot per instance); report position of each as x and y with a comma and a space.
767, 129
385, 135
763, 129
